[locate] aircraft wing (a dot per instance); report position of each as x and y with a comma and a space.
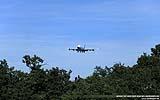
73, 49
89, 49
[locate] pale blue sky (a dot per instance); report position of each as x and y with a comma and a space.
119, 30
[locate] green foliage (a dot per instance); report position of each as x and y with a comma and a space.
34, 62
54, 84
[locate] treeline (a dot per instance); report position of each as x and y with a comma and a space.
142, 78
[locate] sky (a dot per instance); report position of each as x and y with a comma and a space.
119, 30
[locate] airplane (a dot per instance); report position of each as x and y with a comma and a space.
80, 49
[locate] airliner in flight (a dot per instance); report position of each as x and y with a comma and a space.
80, 49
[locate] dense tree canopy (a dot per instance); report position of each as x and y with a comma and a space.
54, 84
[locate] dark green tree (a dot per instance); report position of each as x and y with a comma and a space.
34, 62
54, 84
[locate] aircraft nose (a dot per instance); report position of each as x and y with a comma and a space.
78, 46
